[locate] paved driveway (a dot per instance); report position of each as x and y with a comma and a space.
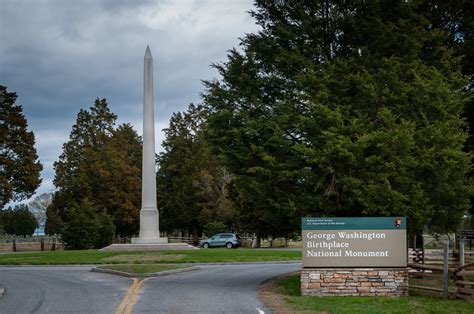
211, 289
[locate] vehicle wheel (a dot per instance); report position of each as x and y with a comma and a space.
229, 245
205, 245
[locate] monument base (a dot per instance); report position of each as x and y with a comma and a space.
354, 281
149, 240
130, 247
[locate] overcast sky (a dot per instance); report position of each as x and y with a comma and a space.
59, 56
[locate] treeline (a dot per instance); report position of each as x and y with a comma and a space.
333, 108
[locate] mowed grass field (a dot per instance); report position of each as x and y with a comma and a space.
290, 289
164, 257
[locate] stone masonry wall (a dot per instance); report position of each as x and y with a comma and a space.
354, 281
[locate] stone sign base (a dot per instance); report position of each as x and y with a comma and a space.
354, 281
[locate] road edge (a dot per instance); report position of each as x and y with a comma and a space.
268, 294
144, 275
185, 264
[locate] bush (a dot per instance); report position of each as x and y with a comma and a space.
18, 221
106, 232
85, 228
214, 227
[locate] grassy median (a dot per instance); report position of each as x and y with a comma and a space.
163, 257
142, 268
290, 289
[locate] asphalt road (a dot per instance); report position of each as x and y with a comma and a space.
60, 290
211, 289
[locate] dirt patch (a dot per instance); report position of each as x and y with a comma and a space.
270, 295
144, 258
274, 298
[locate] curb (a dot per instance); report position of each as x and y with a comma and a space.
185, 264
47, 265
245, 263
158, 274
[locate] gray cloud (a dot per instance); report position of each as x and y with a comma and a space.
60, 55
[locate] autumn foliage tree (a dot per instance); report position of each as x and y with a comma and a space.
100, 168
19, 165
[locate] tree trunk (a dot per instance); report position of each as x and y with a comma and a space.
257, 241
195, 238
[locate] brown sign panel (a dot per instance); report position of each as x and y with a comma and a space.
354, 242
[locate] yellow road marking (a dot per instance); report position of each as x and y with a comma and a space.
133, 298
130, 298
127, 296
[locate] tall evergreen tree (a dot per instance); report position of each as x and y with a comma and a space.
119, 172
342, 108
19, 165
456, 18
100, 165
191, 182
75, 177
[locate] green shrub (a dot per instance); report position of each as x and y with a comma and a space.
19, 221
85, 228
106, 232
214, 227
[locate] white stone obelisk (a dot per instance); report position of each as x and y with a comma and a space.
149, 216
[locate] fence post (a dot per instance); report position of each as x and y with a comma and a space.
14, 245
42, 244
461, 253
445, 269
422, 249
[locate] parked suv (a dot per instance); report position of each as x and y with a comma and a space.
228, 240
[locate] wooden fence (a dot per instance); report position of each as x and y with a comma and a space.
442, 273
27, 244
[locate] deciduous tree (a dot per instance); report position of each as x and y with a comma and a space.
38, 207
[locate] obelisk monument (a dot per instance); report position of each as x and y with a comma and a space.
149, 216
149, 238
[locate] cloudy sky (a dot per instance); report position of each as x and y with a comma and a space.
58, 56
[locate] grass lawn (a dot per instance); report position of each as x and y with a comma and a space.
290, 287
142, 268
164, 257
